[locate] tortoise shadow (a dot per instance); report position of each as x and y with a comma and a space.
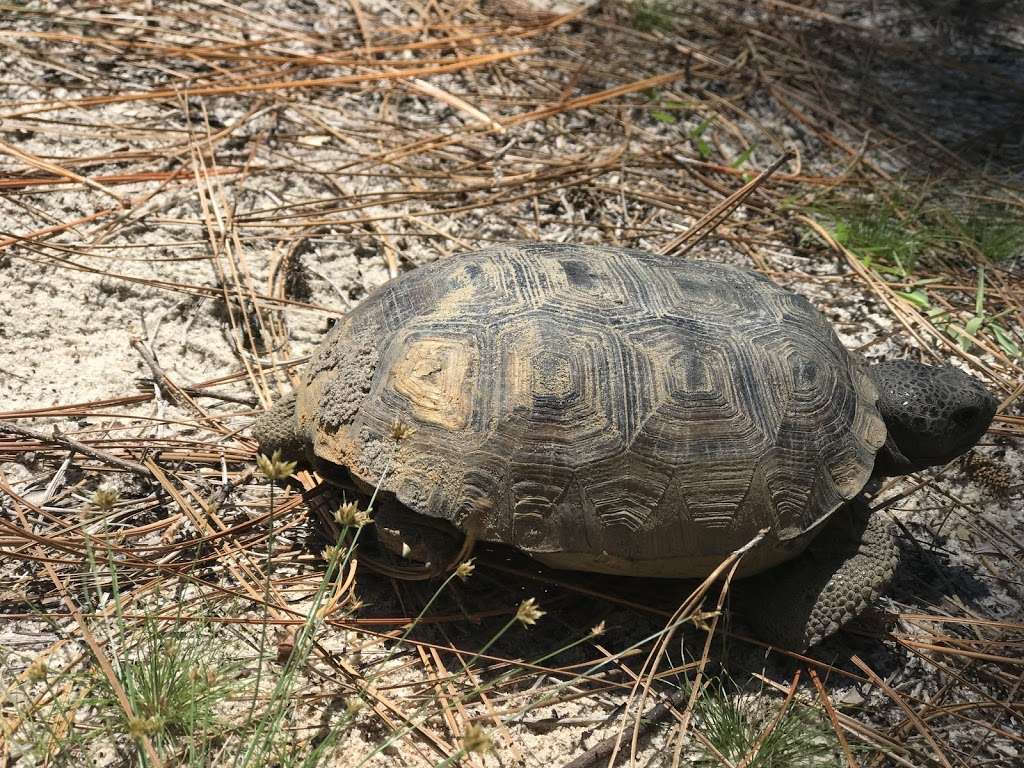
477, 615
963, 91
471, 613
927, 574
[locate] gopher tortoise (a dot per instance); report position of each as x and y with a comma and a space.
611, 410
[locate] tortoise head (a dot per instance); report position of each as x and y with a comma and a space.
932, 413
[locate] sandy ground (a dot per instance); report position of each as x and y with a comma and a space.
153, 271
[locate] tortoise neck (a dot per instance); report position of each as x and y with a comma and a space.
891, 462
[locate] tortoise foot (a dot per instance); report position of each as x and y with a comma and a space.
844, 569
428, 547
277, 430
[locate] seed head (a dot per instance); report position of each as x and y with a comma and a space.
353, 705
465, 569
528, 612
200, 675
351, 516
598, 629
37, 670
140, 727
274, 467
285, 646
401, 431
333, 553
105, 497
476, 740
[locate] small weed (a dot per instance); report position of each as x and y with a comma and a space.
744, 157
697, 137
176, 682
663, 117
735, 725
667, 111
671, 111
980, 322
891, 230
652, 15
993, 231
879, 230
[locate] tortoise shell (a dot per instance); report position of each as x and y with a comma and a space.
600, 409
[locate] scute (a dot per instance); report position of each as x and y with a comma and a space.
600, 408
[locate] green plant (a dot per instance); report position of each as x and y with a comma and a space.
266, 725
743, 157
176, 681
752, 730
893, 228
665, 110
651, 15
668, 112
992, 230
696, 135
979, 322
275, 469
879, 230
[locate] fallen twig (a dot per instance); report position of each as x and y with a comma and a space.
64, 441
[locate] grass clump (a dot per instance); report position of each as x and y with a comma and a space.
652, 15
177, 683
884, 231
892, 230
750, 730
178, 680
992, 230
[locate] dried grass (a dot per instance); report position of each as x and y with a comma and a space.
451, 127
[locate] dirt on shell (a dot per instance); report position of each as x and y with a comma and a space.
348, 363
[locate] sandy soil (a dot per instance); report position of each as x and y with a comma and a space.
300, 178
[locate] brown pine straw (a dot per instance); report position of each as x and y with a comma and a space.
20, 182
713, 218
74, 445
684, 612
442, 187
911, 714
316, 82
57, 170
833, 718
752, 753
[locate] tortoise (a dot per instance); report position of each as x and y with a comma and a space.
611, 410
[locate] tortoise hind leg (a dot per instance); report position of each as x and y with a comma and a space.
844, 569
278, 430
436, 545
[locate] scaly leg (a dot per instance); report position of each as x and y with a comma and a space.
844, 569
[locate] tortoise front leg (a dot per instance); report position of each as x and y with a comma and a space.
844, 569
